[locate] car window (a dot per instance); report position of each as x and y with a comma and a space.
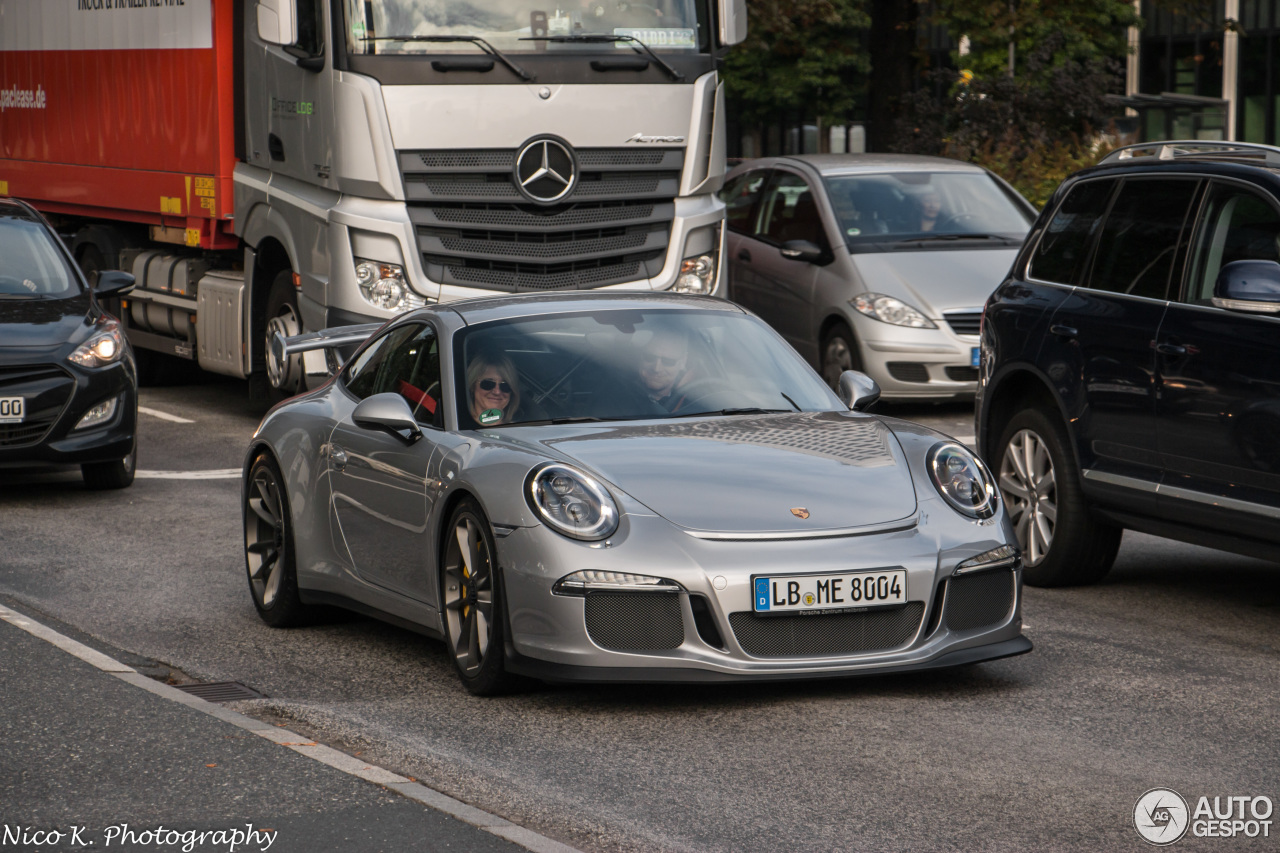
1064, 246
406, 361
740, 196
32, 263
789, 211
1238, 225
1140, 237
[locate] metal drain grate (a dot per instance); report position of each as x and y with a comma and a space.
220, 691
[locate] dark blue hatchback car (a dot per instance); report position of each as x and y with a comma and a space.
1130, 371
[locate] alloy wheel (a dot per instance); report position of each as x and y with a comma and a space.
468, 594
265, 537
1029, 486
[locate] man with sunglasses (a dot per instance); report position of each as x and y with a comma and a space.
664, 367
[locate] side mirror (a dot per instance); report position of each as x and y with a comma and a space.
387, 411
801, 250
733, 21
1252, 286
858, 391
113, 283
278, 21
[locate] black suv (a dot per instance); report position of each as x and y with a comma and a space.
1130, 369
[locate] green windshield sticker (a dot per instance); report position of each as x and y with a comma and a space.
490, 416
677, 37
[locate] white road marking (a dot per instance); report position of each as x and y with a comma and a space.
164, 416
215, 474
349, 764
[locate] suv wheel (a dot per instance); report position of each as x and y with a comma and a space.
1061, 544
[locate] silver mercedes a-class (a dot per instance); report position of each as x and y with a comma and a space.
622, 487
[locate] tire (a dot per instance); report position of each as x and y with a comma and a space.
158, 369
283, 317
116, 474
838, 353
1062, 545
472, 604
269, 548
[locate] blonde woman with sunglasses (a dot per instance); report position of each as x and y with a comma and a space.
493, 393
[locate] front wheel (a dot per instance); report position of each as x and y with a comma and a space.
116, 474
471, 595
1062, 545
839, 353
284, 319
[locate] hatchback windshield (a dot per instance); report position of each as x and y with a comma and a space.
914, 205
31, 265
627, 365
390, 26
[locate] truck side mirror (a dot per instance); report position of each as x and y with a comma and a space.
733, 21
1252, 286
278, 21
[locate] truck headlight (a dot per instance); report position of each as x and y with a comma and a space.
571, 502
698, 269
383, 286
962, 480
105, 347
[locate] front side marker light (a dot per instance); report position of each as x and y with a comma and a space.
996, 558
598, 580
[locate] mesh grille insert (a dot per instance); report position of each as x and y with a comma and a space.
962, 374
975, 601
906, 371
835, 634
635, 621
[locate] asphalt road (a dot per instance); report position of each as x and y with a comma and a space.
1165, 675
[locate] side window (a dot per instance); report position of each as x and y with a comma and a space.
310, 28
406, 361
740, 196
1140, 238
790, 212
1062, 250
1238, 225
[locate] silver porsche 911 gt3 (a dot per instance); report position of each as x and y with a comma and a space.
622, 487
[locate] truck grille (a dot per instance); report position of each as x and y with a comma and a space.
834, 634
475, 229
46, 390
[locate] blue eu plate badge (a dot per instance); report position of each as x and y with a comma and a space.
762, 594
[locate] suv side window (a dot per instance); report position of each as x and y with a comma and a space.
790, 212
1238, 225
1140, 238
405, 361
1061, 253
740, 196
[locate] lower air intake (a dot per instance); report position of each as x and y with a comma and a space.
835, 634
976, 601
635, 621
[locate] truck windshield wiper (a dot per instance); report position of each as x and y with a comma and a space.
603, 38
476, 40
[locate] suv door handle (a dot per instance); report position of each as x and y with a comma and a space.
744, 255
1169, 349
1063, 331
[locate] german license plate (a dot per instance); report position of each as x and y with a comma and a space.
975, 356
12, 410
828, 593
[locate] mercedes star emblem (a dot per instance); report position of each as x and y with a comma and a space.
546, 170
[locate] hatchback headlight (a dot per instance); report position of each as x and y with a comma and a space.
105, 347
895, 312
962, 480
571, 502
383, 286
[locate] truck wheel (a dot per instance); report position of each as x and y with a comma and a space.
116, 474
283, 318
1062, 545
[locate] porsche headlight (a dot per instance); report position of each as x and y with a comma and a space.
962, 480
105, 347
571, 502
895, 312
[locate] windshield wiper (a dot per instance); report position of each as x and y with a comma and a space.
745, 410
602, 38
948, 238
476, 40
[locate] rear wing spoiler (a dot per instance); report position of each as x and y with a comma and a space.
284, 356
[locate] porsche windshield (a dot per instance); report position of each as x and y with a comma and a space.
390, 27
629, 365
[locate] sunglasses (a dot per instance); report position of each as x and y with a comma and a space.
664, 360
490, 384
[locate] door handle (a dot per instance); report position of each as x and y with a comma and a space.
744, 255
1063, 331
337, 457
1170, 349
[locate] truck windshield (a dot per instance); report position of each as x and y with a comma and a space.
664, 25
